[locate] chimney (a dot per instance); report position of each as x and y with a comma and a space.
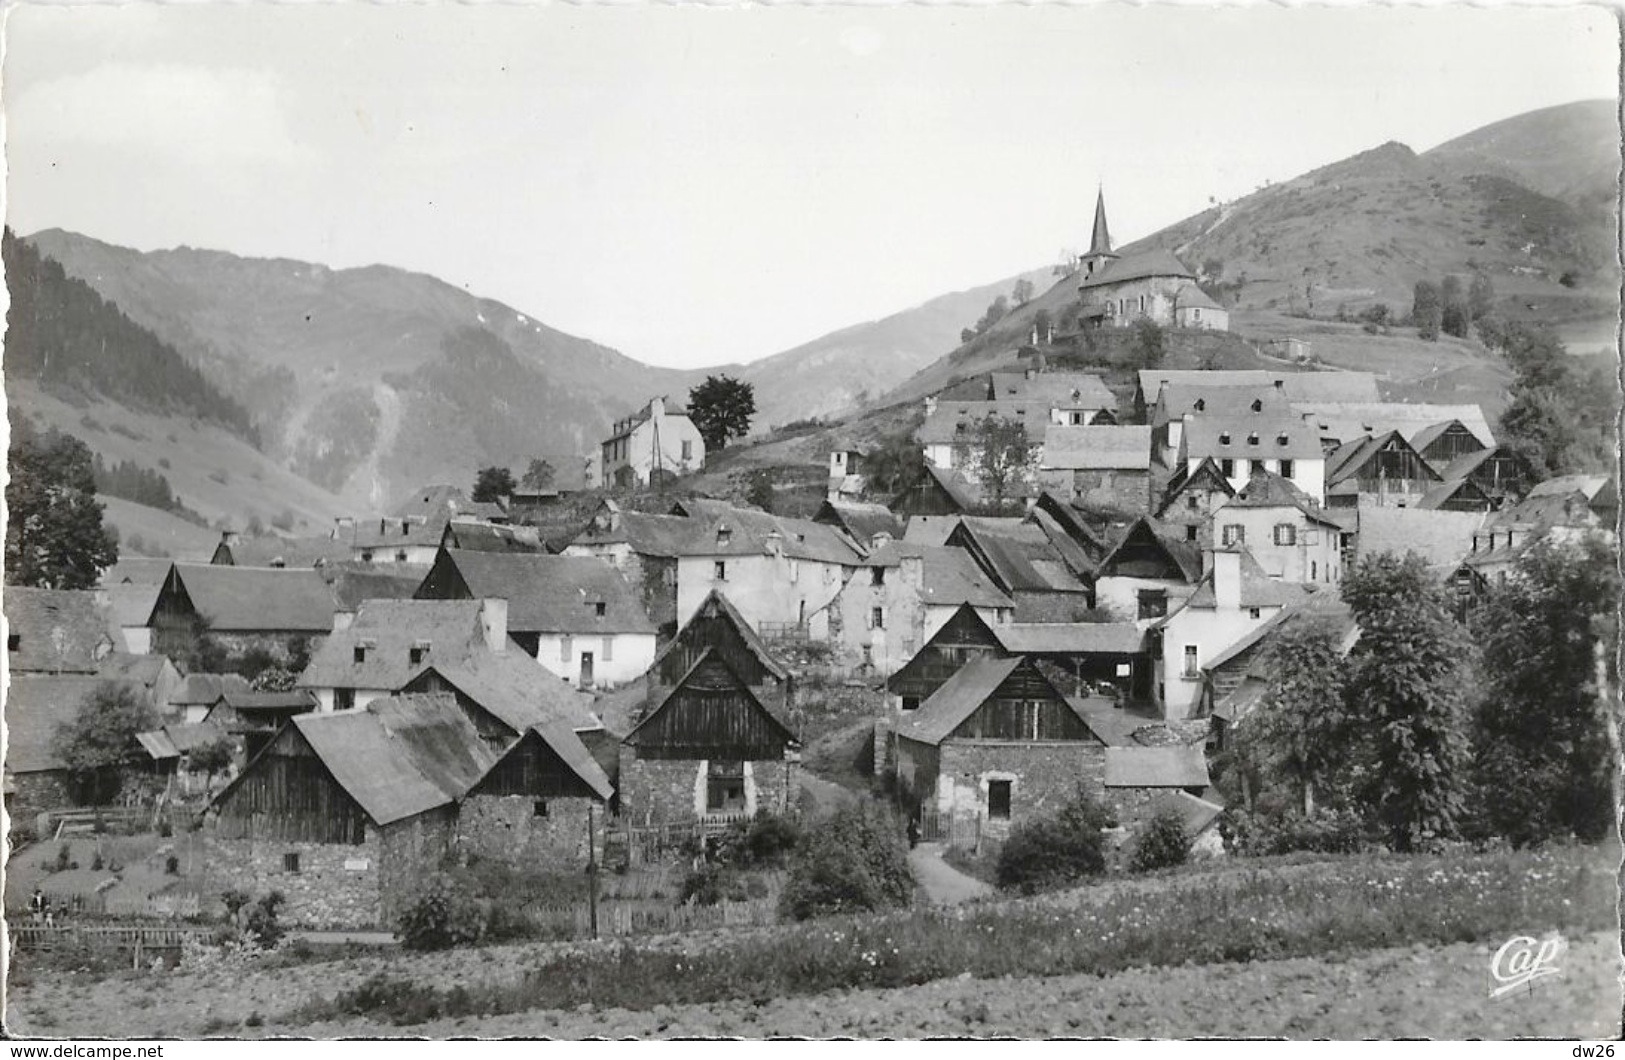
657, 408
930, 404
342, 620
1280, 384
1227, 580
229, 538
775, 542
494, 623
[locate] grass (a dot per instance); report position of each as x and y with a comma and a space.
1235, 914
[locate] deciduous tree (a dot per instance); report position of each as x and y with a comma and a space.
721, 408
1300, 732
539, 475
1427, 310
1001, 457
96, 745
54, 533
492, 484
1022, 292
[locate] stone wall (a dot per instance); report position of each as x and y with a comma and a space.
35, 793
410, 851
506, 828
667, 790
1043, 776
337, 885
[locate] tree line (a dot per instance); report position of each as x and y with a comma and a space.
60, 331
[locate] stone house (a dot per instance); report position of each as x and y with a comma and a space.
1104, 467
1189, 501
1245, 444
898, 599
651, 441
242, 608
1233, 599
863, 522
846, 478
996, 744
346, 813
36, 706
577, 616
965, 636
1147, 574
1042, 567
1193, 308
1118, 291
1075, 399
1378, 471
56, 631
644, 548
1288, 534
709, 752
375, 652
544, 804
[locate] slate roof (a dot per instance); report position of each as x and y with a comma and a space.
1249, 437
137, 570
1180, 398
1344, 420
259, 599
398, 756
1442, 538
1054, 389
514, 688
387, 533
930, 529
1184, 554
204, 690
664, 536
1022, 555
353, 584
1266, 489
475, 536
387, 630
750, 532
1589, 485
144, 670
293, 699
1071, 638
1173, 766
861, 520
130, 604
1070, 448
1294, 386
1191, 296
633, 421
1138, 267
949, 575
1257, 589
57, 630
568, 746
957, 698
956, 421
554, 594
282, 551
34, 707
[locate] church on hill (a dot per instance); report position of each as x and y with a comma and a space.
1152, 285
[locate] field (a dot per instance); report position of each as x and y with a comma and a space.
1380, 945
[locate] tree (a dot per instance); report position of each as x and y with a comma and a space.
54, 533
212, 758
493, 484
1543, 765
1022, 292
1561, 413
1481, 296
760, 493
721, 408
1455, 316
95, 745
1001, 456
539, 475
1404, 698
1427, 310
893, 467
1299, 733
1150, 344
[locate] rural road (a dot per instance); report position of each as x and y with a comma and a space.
944, 884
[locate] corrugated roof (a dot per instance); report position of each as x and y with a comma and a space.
1442, 538
57, 630
1079, 638
1068, 448
1138, 267
386, 631
554, 594
1173, 766
34, 707
259, 599
1344, 420
1075, 390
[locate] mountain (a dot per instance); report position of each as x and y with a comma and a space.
1569, 153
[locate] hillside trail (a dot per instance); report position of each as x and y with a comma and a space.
943, 884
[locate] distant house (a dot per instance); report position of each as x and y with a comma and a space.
241, 608
937, 491
1451, 430
1295, 387
995, 745
1288, 534
1458, 495
235, 550
846, 478
1147, 574
472, 535
1440, 537
1191, 498
412, 533
900, 596
1193, 308
950, 438
347, 812
652, 441
197, 694
1233, 599
55, 631
36, 706
375, 652
1105, 467
709, 752
1247, 443
129, 605
644, 548
253, 718
1574, 501
1075, 399
1378, 471
863, 522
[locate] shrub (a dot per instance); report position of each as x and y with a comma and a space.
442, 915
711, 883
1054, 851
64, 855
22, 834
1284, 831
165, 829
771, 838
172, 865
1162, 844
97, 863
263, 924
856, 860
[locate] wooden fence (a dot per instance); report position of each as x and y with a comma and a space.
141, 941
645, 844
963, 831
616, 918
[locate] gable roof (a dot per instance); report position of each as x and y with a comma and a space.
958, 697
257, 599
1257, 589
1451, 489
1589, 485
665, 536
386, 631
568, 746
931, 530
478, 536
1182, 554
1206, 476
949, 576
34, 707
1055, 389
57, 630
1439, 536
1266, 489
553, 594
1173, 766
1249, 436
204, 690
129, 605
1344, 420
956, 421
512, 688
1069, 448
273, 551
716, 599
1322, 386
709, 654
353, 584
1191, 296
1018, 554
1177, 399
1138, 267
137, 570
862, 520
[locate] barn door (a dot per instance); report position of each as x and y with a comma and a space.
586, 670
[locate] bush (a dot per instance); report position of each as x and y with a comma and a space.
1049, 852
263, 924
856, 860
97, 863
1264, 832
64, 855
444, 914
711, 883
1162, 844
763, 840
22, 834
172, 865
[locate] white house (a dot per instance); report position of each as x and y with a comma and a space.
374, 652
653, 439
1290, 536
1244, 444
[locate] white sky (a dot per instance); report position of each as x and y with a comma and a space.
696, 185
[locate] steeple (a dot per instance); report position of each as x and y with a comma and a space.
1101, 242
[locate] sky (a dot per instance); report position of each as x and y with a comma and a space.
699, 185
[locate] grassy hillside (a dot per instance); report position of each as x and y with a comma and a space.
1568, 152
145, 531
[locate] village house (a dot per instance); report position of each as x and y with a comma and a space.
1178, 401
1451, 430
374, 652
235, 550
863, 522
1102, 467
474, 535
1249, 442
1136, 777
1296, 387
1076, 399
197, 694
644, 548
55, 631
1288, 534
846, 478
1233, 598
252, 718
36, 779
242, 609
951, 436
170, 749
576, 616
900, 596
1042, 568
778, 572
129, 605
653, 441
1459, 495
155, 675
1579, 501
966, 635
994, 745
1190, 499
503, 695
1147, 574
1378, 471
710, 750
936, 492
1195, 309
348, 812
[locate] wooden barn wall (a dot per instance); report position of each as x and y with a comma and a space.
1455, 442
712, 630
534, 769
443, 582
290, 795
1394, 462
710, 717
491, 728
1142, 556
1005, 715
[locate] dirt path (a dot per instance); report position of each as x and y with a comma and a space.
943, 884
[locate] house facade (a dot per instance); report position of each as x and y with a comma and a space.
276, 610
1289, 535
644, 548
1244, 444
1102, 467
653, 440
1147, 574
1378, 471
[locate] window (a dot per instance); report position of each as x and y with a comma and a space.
1224, 437
343, 699
877, 575
1227, 467
725, 787
1234, 534
1190, 533
1314, 571
564, 649
414, 655
877, 618
998, 800
609, 649
1286, 534
1191, 669
911, 702
1252, 439
1153, 603
724, 535
360, 653
14, 641
599, 608
400, 555
1255, 466
719, 571
366, 556
1253, 612
290, 861
539, 808
1193, 502
1258, 404
688, 451
1286, 467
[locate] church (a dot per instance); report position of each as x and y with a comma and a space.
1153, 285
